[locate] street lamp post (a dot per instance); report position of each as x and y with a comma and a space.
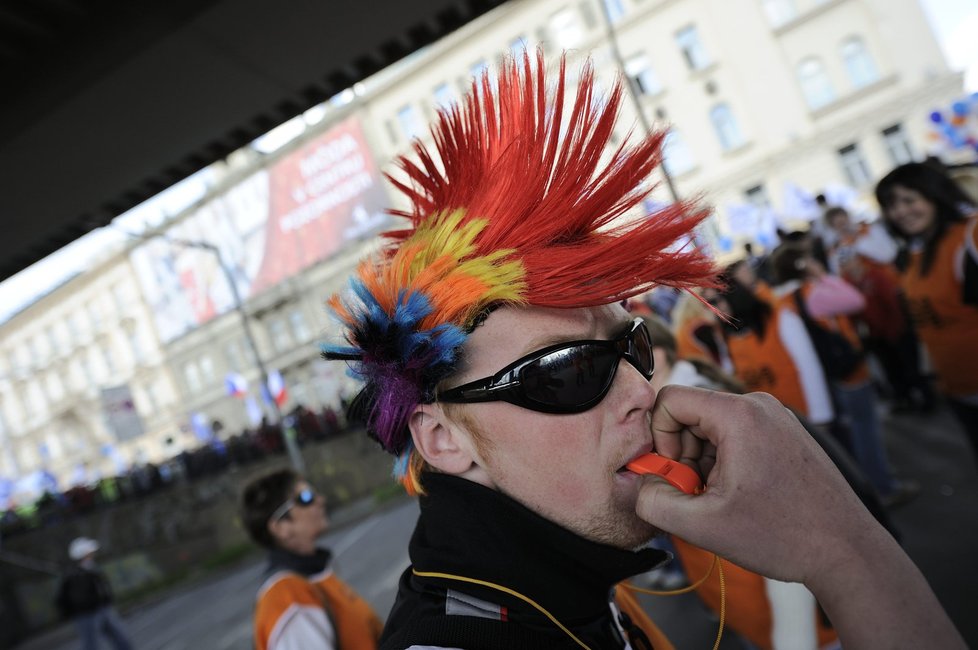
295, 457
636, 101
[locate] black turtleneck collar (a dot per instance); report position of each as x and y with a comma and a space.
471, 530
280, 559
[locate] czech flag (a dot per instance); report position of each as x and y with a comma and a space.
276, 388
236, 384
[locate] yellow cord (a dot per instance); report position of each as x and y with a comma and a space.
505, 590
553, 619
676, 592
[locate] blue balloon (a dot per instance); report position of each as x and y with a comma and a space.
960, 108
936, 117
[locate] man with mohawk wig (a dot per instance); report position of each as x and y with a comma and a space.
502, 372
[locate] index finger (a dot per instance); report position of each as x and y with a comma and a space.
680, 409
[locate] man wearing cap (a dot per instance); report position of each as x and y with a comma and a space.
513, 389
84, 595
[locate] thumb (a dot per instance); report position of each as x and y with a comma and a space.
669, 509
674, 511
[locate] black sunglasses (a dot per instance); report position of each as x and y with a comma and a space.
567, 377
304, 499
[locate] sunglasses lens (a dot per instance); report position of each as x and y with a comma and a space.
642, 351
569, 378
305, 497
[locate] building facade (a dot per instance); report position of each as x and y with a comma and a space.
84, 386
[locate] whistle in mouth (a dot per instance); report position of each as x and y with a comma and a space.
681, 477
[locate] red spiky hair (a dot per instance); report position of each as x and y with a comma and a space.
509, 155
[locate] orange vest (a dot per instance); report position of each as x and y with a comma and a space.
356, 625
748, 610
765, 365
688, 346
947, 326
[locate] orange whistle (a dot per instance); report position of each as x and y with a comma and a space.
681, 477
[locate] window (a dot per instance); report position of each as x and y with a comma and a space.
136, 345
108, 358
298, 322
639, 70
815, 84
232, 353
676, 155
52, 341
279, 334
444, 95
54, 387
34, 352
566, 28
897, 144
478, 68
191, 375
207, 369
94, 315
120, 298
85, 363
859, 63
53, 446
779, 12
615, 9
391, 131
407, 118
727, 130
854, 165
517, 47
74, 329
152, 406
35, 398
757, 196
688, 40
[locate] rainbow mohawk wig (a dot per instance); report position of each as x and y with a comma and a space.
515, 209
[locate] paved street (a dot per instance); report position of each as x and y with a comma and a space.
939, 530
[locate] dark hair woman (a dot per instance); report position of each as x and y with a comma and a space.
935, 222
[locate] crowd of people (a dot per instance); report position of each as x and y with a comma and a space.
210, 457
845, 317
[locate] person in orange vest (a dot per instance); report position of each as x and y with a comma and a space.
936, 225
771, 351
301, 603
699, 332
864, 255
803, 283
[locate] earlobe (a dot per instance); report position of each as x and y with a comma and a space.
439, 441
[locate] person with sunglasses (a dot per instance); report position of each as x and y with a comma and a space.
502, 372
301, 602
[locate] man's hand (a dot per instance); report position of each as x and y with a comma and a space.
774, 502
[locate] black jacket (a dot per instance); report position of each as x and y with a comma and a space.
82, 591
472, 531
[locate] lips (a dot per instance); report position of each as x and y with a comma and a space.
645, 449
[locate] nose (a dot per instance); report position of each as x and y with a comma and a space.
632, 391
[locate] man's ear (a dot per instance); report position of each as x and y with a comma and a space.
439, 441
277, 528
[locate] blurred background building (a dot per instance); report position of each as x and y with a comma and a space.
767, 104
